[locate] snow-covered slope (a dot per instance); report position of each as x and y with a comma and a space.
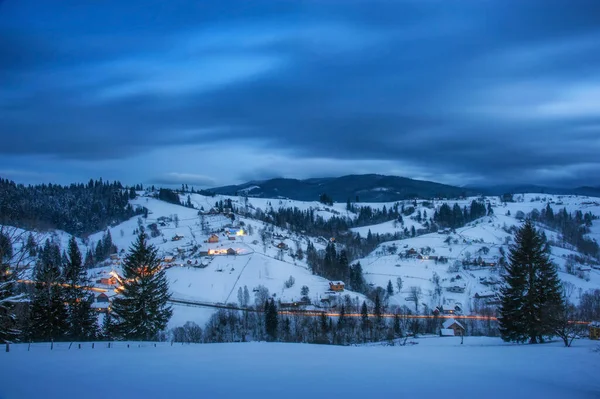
256, 263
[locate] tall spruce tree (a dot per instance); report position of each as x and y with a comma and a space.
531, 299
48, 313
271, 321
81, 317
141, 311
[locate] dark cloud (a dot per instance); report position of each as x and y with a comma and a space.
493, 90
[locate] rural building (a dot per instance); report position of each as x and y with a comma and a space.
411, 253
107, 281
282, 245
336, 286
203, 253
213, 238
231, 238
594, 330
484, 294
447, 310
456, 288
168, 259
114, 257
453, 325
176, 237
231, 251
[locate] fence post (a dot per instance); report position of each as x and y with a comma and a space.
71, 344
51, 344
7, 347
128, 345
92, 345
79, 346
109, 345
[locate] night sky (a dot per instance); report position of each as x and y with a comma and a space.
211, 93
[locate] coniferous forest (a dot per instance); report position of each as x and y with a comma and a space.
79, 209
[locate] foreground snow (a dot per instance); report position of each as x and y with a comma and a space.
435, 367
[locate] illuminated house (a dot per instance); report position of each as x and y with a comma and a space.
336, 286
213, 238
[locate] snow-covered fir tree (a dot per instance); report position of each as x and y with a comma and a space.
141, 311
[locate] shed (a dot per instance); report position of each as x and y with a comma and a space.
231, 251
446, 332
452, 324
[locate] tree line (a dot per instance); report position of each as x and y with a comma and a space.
78, 209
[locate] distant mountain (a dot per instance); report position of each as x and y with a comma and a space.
531, 188
368, 188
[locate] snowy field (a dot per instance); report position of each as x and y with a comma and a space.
434, 368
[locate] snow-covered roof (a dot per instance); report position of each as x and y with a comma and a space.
448, 307
595, 324
447, 332
450, 322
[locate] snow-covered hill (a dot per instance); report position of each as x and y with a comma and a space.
182, 236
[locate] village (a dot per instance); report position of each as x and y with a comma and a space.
235, 253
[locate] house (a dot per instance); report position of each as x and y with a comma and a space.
114, 257
231, 238
282, 245
168, 259
336, 286
176, 237
484, 294
101, 307
444, 231
231, 251
447, 309
456, 288
594, 330
102, 298
411, 253
107, 281
213, 238
203, 253
451, 324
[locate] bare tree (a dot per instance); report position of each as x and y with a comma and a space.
415, 295
568, 328
15, 257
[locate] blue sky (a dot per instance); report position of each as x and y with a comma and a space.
216, 93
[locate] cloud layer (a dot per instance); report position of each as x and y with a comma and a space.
183, 92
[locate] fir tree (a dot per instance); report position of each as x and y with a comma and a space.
108, 326
81, 317
271, 320
48, 313
364, 316
531, 301
390, 288
141, 311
